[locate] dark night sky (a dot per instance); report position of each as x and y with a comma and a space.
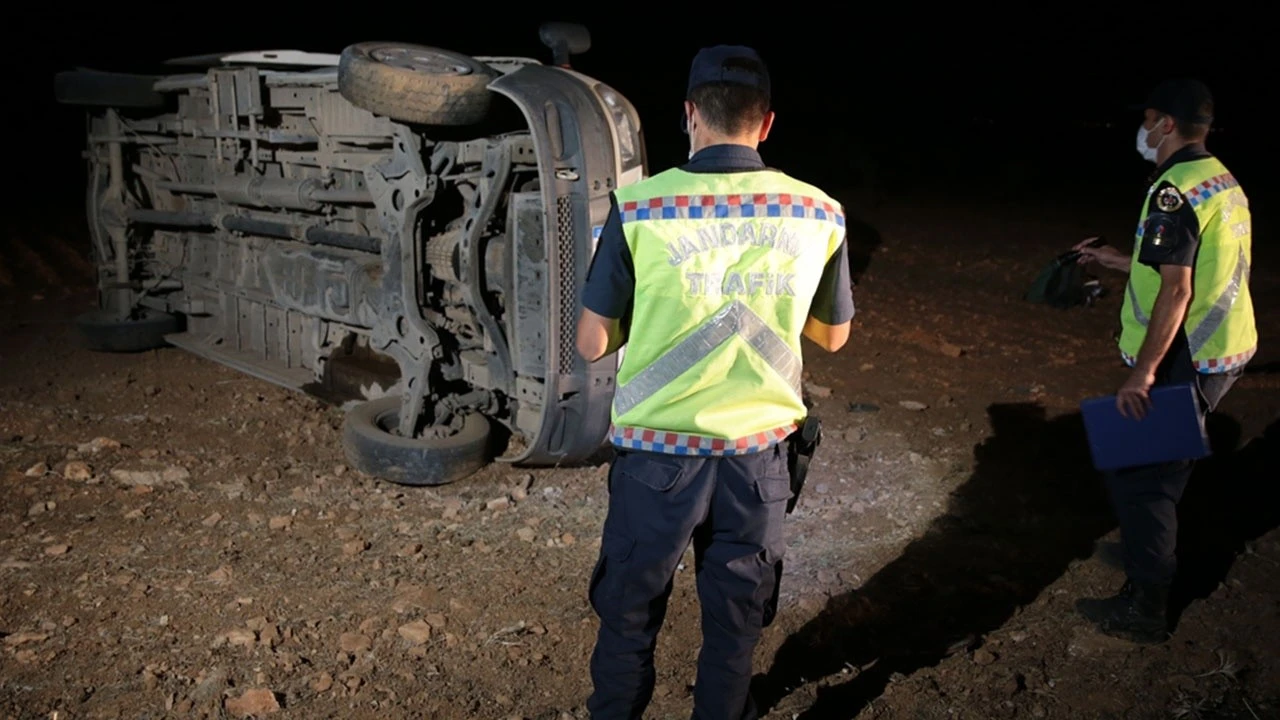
965, 101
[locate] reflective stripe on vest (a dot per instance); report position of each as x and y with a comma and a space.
1136, 307
726, 266
1219, 324
734, 319
1216, 315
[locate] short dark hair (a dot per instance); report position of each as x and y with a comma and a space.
1187, 101
730, 108
1192, 130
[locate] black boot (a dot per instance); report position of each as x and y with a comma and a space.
1138, 612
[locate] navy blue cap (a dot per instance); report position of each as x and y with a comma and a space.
718, 64
1183, 99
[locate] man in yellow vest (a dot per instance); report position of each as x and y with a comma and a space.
1187, 317
710, 274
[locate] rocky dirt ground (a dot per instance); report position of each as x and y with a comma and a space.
180, 540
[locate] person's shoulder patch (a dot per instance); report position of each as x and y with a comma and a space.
1169, 199
1159, 230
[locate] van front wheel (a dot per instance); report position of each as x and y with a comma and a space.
372, 446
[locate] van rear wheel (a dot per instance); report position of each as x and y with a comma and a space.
145, 329
106, 89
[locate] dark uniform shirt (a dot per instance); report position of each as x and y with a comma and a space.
1171, 237
610, 285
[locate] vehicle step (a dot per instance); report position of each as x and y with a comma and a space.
244, 361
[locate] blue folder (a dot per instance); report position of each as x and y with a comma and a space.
1172, 429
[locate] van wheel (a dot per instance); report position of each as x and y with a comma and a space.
415, 83
106, 89
372, 446
102, 331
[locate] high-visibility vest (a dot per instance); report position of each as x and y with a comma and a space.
726, 266
1219, 324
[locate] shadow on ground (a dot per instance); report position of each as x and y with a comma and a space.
1231, 499
1264, 368
1032, 506
862, 239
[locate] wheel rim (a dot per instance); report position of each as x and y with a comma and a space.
419, 60
388, 422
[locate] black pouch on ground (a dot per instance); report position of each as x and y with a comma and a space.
1063, 283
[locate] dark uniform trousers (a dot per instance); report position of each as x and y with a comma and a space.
732, 509
1145, 498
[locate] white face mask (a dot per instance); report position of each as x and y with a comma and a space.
1150, 153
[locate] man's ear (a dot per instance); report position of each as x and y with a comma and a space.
766, 126
690, 111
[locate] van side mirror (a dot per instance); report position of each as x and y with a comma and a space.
564, 39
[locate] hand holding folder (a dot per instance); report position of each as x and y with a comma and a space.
1173, 429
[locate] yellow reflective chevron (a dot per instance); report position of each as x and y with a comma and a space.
1220, 324
734, 319
726, 267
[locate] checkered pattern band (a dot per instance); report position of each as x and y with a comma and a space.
659, 441
699, 207
1212, 366
1202, 191
1207, 189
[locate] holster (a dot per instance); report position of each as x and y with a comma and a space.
801, 445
